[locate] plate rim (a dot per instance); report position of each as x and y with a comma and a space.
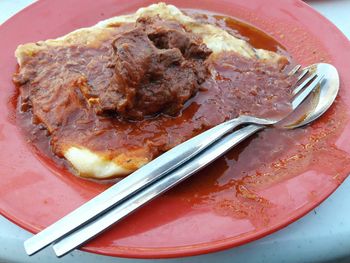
197, 249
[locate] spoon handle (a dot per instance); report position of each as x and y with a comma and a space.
130, 185
183, 172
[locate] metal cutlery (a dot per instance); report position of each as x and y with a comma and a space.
177, 164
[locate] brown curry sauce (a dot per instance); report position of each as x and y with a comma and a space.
267, 158
84, 96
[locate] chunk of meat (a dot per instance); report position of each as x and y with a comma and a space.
62, 88
158, 66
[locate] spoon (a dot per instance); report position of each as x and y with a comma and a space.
322, 99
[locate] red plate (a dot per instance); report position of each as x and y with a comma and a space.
35, 194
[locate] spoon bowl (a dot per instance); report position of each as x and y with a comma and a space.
318, 101
327, 91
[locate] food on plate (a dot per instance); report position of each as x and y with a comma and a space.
114, 96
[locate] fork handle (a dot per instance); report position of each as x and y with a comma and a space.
130, 185
114, 215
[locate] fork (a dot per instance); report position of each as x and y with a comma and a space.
155, 170
327, 93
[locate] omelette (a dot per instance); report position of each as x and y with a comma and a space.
116, 95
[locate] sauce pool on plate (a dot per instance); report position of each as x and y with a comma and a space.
234, 183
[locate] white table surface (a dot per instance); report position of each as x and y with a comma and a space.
323, 235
